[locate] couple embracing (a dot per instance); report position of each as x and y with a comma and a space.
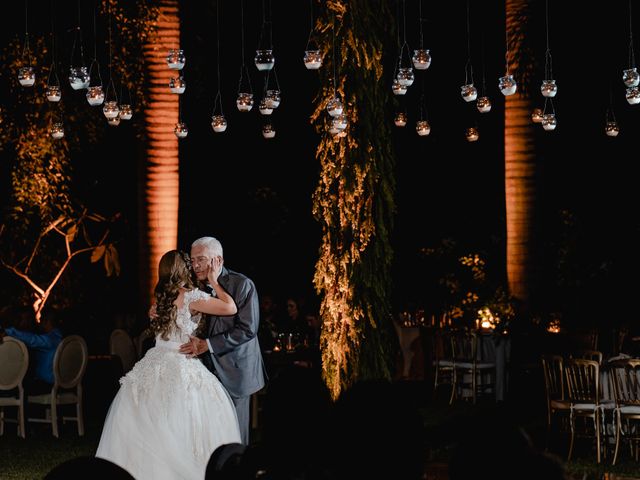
191, 392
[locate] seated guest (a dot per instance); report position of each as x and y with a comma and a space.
42, 348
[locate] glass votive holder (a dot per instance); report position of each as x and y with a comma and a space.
423, 128
472, 134
181, 130
56, 130
264, 107
53, 93
268, 131
218, 123
264, 60
612, 129
397, 88
176, 59
334, 107
26, 76
633, 95
114, 122
312, 59
177, 85
549, 121
549, 88
273, 98
507, 85
405, 76
111, 110
244, 102
79, 78
400, 119
339, 121
421, 59
483, 104
469, 92
536, 115
630, 77
95, 95
126, 111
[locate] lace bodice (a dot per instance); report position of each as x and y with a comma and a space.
185, 322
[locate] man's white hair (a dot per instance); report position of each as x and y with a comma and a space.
210, 244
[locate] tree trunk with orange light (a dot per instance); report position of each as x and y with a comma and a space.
160, 175
521, 189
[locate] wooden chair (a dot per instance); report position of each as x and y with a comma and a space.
69, 366
121, 345
555, 391
14, 361
626, 387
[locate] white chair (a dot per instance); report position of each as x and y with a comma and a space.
121, 345
69, 366
143, 342
14, 361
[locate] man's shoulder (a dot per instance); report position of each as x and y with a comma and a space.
239, 277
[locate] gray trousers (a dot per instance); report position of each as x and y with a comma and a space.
242, 405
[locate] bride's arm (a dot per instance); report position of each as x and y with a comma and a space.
223, 304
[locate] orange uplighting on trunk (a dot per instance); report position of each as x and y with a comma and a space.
160, 176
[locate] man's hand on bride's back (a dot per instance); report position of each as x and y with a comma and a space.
194, 347
152, 311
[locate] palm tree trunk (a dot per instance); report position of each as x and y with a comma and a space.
520, 160
160, 176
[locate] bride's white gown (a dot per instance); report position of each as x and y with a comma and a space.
170, 413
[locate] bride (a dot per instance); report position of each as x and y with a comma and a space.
171, 413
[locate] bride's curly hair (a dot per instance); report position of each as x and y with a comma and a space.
174, 273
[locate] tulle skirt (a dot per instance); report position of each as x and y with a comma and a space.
168, 417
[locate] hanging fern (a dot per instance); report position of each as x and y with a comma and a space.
354, 198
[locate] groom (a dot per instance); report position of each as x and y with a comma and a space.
230, 348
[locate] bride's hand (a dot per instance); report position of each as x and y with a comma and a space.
214, 270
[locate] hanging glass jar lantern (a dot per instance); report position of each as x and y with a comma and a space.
536, 115
549, 88
53, 93
176, 59
264, 107
472, 134
268, 131
273, 98
507, 85
483, 104
549, 121
423, 128
79, 78
334, 107
469, 92
95, 95
181, 130
126, 112
400, 119
312, 59
421, 59
26, 76
111, 110
244, 102
264, 60
398, 88
56, 130
630, 77
612, 129
405, 76
339, 121
114, 122
633, 95
218, 123
177, 84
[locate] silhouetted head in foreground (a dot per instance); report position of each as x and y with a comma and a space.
88, 467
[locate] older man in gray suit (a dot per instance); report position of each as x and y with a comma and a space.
230, 350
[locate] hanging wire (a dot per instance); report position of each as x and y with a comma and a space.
333, 52
424, 113
420, 22
482, 60
26, 50
111, 82
266, 24
548, 63
53, 70
468, 67
218, 99
404, 37
243, 66
311, 24
632, 57
78, 36
506, 52
95, 48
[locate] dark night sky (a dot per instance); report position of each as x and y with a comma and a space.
445, 186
